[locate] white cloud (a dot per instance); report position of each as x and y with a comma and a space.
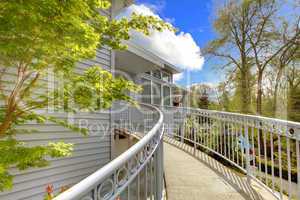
209, 84
179, 49
177, 77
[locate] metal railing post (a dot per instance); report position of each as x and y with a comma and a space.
298, 164
159, 171
247, 146
194, 139
182, 132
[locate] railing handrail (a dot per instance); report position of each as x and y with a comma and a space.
249, 116
100, 175
254, 144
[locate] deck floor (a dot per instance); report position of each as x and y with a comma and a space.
199, 177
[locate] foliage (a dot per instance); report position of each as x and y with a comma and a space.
199, 96
293, 105
42, 39
15, 153
50, 192
222, 98
97, 89
258, 44
232, 25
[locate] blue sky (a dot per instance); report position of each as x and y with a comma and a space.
194, 17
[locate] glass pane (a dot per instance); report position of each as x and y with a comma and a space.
166, 95
156, 74
156, 93
166, 77
146, 93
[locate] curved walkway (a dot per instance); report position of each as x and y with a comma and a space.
199, 177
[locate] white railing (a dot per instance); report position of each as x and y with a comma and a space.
136, 173
265, 149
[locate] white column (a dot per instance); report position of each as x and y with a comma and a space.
159, 171
161, 95
151, 92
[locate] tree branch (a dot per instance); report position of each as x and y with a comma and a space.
228, 57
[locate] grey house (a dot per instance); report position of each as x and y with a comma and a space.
165, 144
94, 151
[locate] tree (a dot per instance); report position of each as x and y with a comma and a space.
284, 58
203, 101
41, 36
223, 96
249, 36
293, 79
199, 96
266, 44
232, 25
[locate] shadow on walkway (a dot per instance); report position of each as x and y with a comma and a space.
236, 180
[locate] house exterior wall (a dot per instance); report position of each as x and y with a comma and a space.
90, 152
118, 5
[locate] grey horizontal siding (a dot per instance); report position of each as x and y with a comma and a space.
105, 12
103, 51
36, 192
90, 152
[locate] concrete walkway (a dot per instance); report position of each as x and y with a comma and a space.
200, 177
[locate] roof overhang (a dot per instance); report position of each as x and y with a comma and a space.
128, 61
118, 5
148, 55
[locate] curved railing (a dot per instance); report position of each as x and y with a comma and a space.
265, 149
138, 172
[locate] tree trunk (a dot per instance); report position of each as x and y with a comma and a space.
276, 87
259, 94
259, 106
245, 92
274, 109
6, 124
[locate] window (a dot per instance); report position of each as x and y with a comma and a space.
156, 74
166, 77
156, 93
146, 93
166, 95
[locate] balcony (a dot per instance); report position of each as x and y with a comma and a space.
187, 153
